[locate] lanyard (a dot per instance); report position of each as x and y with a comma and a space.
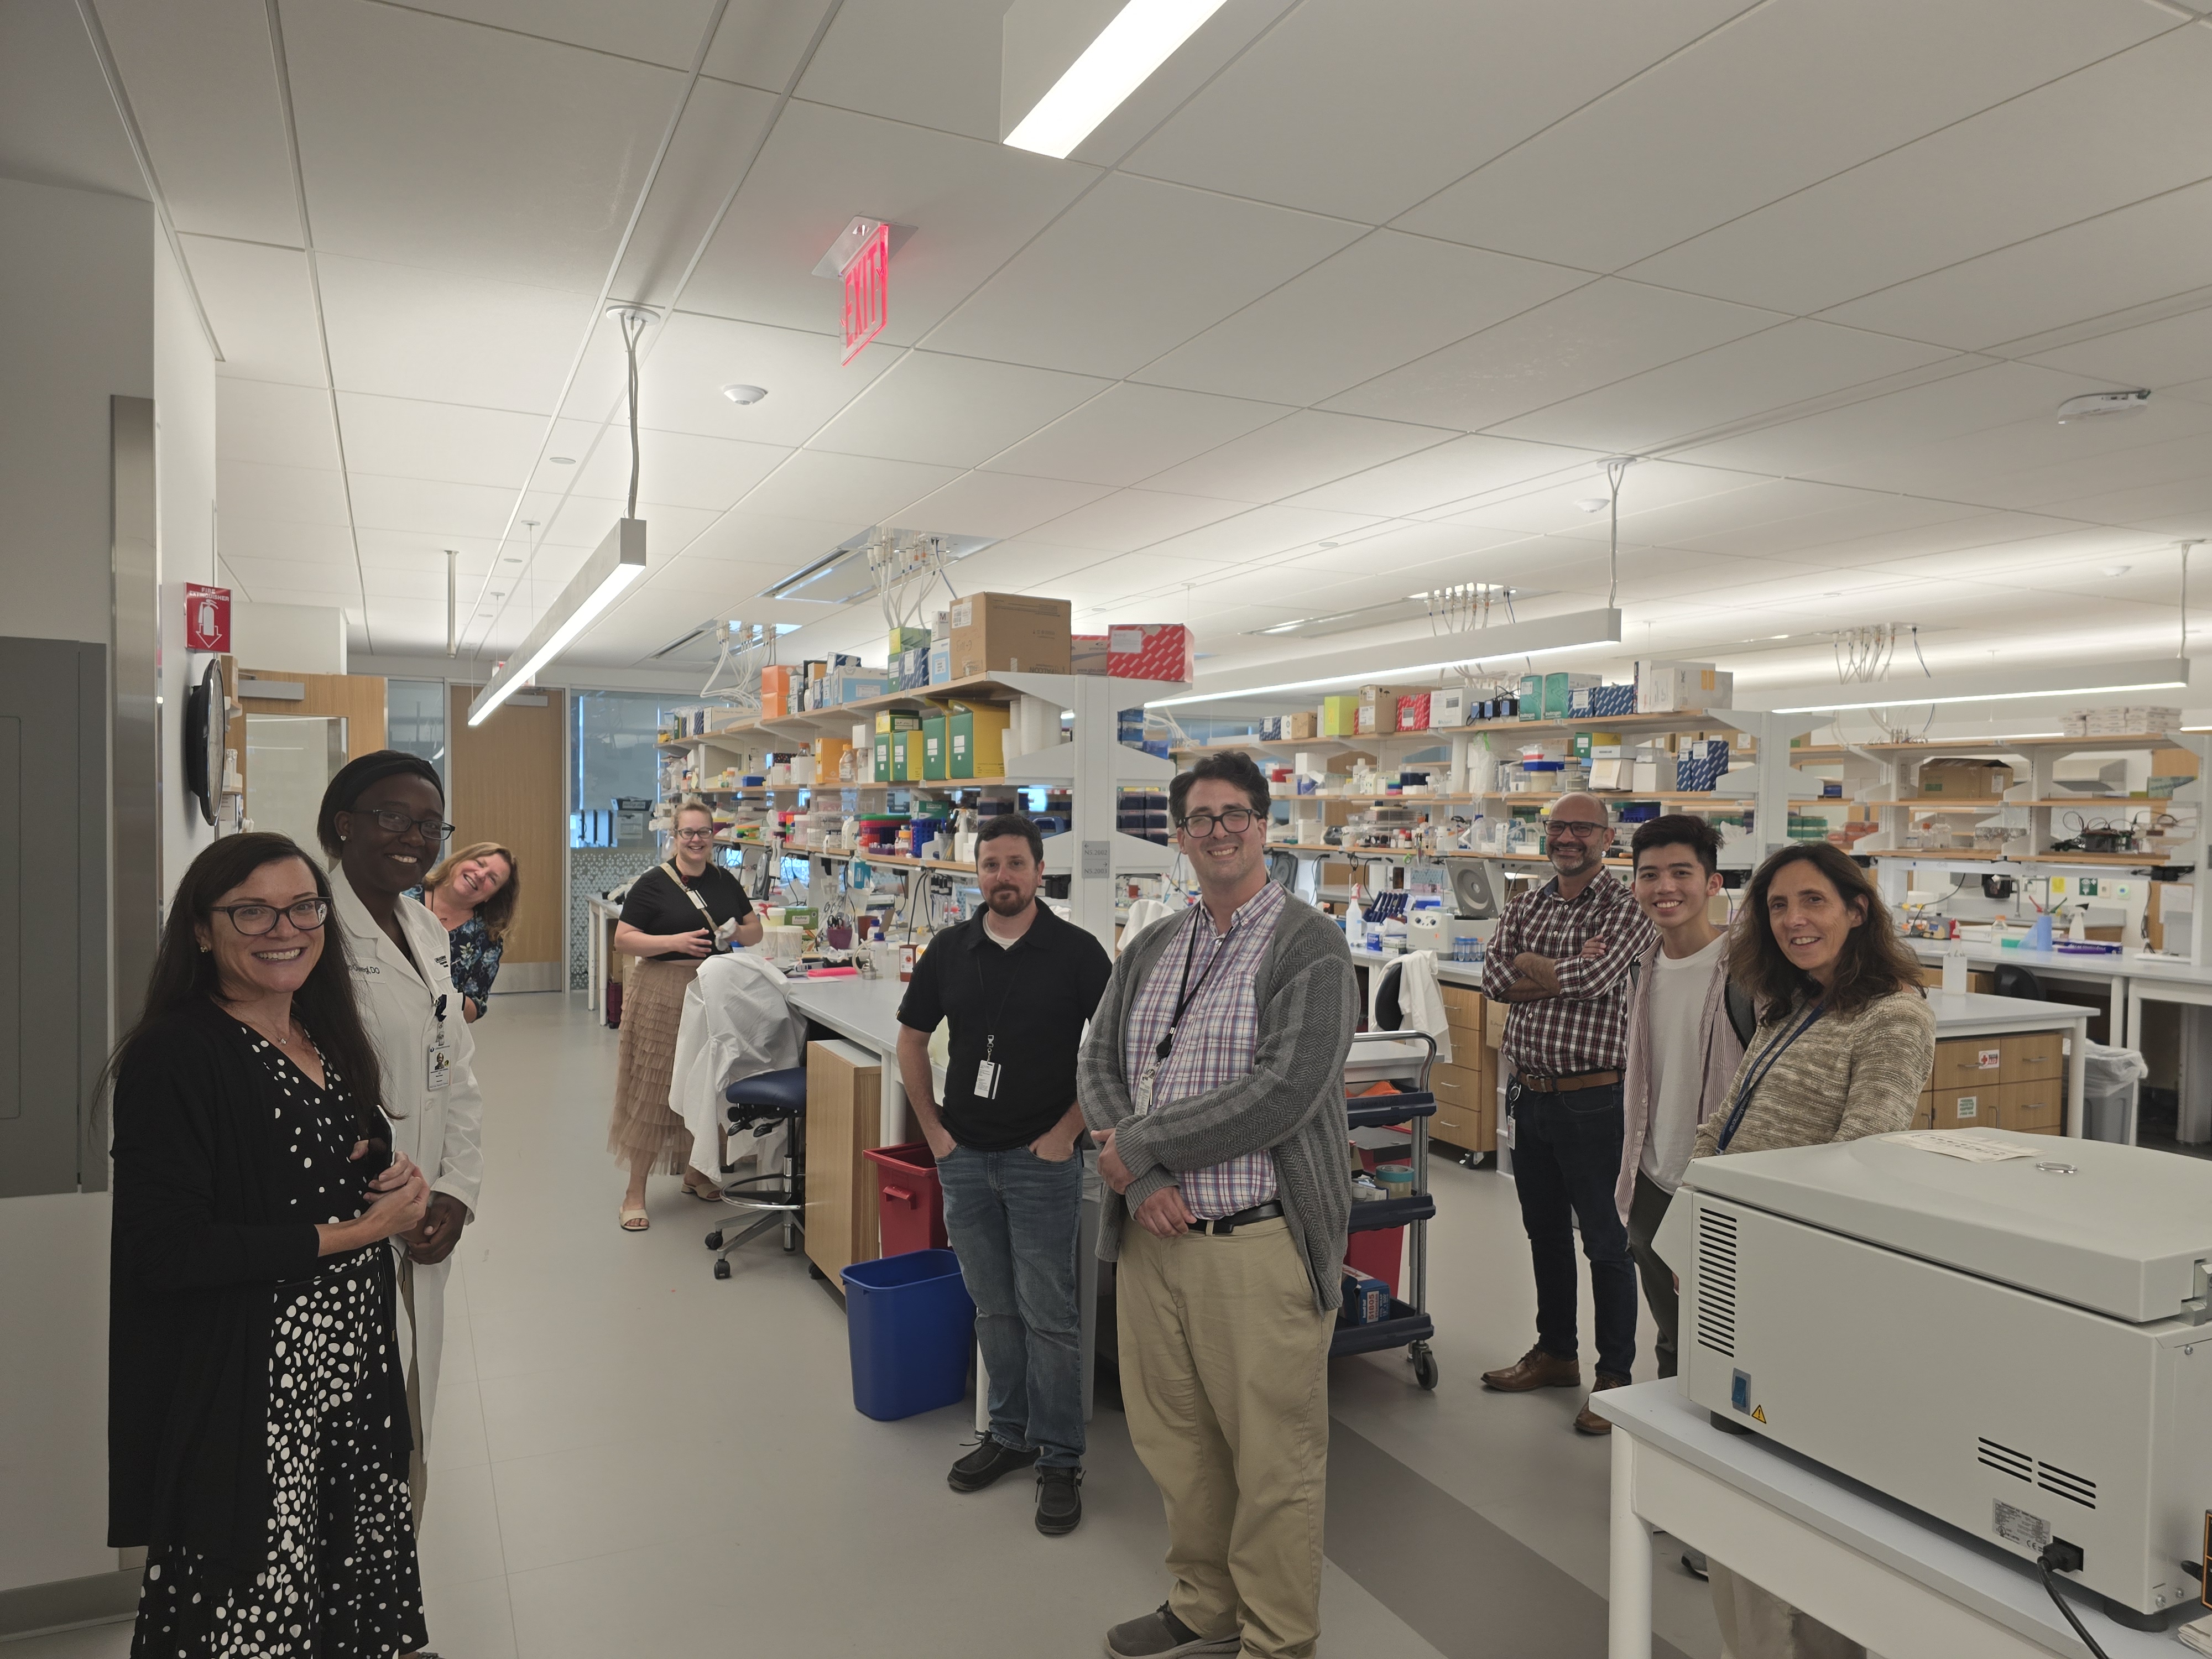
1756, 1074
991, 1031
1187, 993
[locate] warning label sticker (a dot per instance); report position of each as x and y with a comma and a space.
2017, 1525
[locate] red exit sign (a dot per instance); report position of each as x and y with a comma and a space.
867, 292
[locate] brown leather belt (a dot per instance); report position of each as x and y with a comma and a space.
1561, 1085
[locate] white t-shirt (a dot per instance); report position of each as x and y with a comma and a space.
1678, 1060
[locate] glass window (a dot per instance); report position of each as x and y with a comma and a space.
617, 759
414, 722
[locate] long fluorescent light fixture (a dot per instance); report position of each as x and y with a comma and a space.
614, 565
1578, 630
1142, 36
2089, 680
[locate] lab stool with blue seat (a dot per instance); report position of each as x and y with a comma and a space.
758, 1105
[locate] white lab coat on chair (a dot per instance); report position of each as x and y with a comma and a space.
439, 1128
737, 1023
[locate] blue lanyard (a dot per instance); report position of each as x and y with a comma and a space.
1756, 1074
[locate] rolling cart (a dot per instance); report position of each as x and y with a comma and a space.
1376, 1057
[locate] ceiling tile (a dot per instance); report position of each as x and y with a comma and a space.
952, 411
1258, 534
2125, 258
1445, 473
721, 125
403, 331
297, 494
760, 42
406, 437
1130, 519
1593, 337
340, 581
1785, 95
664, 31
743, 535
972, 205
1398, 555
1132, 270
430, 506
1440, 86
427, 141
677, 468
242, 535
280, 425
1737, 381
1301, 452
261, 307
692, 358
202, 85
2171, 352
1130, 431
928, 66
998, 504
1384, 300
860, 490
2041, 161
58, 123
1567, 506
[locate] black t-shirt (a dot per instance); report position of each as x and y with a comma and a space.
1034, 997
656, 905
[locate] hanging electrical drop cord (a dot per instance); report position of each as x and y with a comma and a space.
1614, 470
633, 327
2066, 1557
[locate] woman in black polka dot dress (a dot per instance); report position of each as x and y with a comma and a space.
258, 1422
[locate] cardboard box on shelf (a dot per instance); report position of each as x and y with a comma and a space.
1957, 778
977, 731
1339, 717
1087, 653
1010, 634
1674, 688
1413, 711
907, 638
936, 747
914, 756
1558, 692
1152, 651
1300, 727
1448, 707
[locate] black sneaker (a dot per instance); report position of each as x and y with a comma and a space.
990, 1460
1060, 1501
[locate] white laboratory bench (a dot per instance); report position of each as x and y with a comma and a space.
1882, 1573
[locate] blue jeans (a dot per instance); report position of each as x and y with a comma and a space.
1013, 1219
1566, 1161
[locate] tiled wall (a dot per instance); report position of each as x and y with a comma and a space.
591, 871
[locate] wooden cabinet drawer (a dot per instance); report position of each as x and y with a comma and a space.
1966, 1108
1462, 1005
2034, 1057
1967, 1063
2035, 1108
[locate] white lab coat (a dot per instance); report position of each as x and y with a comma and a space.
1420, 1000
737, 1021
439, 1128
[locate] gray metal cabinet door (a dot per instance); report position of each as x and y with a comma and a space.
54, 1004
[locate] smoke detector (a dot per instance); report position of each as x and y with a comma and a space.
2102, 405
1595, 503
744, 394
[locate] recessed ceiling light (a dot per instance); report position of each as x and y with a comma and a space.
1837, 594
1777, 636
561, 460
2117, 570
1595, 503
1325, 544
744, 394
2101, 405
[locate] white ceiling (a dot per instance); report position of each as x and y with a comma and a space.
1349, 301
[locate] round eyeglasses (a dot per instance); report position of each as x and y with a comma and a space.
255, 920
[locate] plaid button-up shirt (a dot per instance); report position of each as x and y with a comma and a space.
1585, 1027
1216, 1042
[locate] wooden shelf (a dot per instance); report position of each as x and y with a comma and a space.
1962, 855
895, 861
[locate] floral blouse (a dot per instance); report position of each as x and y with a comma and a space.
474, 957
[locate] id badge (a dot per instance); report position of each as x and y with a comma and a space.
438, 1065
1142, 1098
986, 1080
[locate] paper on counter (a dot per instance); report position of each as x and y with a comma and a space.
1953, 1143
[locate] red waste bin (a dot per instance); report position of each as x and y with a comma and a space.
909, 1202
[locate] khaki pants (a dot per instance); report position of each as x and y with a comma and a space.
1225, 1378
1757, 1624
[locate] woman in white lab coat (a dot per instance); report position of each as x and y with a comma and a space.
382, 823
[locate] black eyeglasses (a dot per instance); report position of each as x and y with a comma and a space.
394, 822
1580, 830
695, 835
255, 920
1237, 820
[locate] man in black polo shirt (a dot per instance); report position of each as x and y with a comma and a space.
1017, 984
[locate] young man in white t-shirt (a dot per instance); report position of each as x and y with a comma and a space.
1683, 1042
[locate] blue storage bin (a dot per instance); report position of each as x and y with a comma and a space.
911, 1326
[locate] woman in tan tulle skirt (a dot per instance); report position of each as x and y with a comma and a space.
674, 916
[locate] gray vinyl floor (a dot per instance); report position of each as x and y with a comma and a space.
632, 1459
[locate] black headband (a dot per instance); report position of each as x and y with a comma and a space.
355, 776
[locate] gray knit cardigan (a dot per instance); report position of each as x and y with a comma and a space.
1290, 1103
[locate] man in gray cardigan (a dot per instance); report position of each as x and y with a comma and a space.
1213, 1079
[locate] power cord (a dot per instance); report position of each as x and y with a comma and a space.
2060, 1556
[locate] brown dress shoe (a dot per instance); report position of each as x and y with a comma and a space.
1534, 1370
1588, 1421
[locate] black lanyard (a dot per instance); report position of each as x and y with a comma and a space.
991, 1031
1188, 993
1756, 1074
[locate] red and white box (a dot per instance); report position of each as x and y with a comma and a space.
1151, 651
1413, 711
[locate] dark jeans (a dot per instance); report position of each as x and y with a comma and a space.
1566, 1160
1013, 1219
1646, 1210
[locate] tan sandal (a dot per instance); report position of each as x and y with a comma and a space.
634, 1221
708, 1194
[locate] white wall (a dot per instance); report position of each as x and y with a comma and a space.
77, 286
294, 639
183, 415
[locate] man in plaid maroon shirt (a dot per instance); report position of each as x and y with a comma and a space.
1560, 956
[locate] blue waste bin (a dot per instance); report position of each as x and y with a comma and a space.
912, 1327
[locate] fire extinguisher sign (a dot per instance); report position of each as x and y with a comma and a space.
207, 618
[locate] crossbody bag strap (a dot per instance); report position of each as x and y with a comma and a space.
713, 943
